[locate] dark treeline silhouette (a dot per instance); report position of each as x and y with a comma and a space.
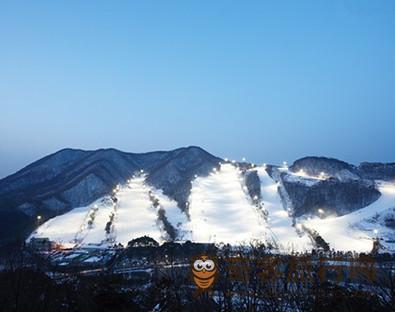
250, 278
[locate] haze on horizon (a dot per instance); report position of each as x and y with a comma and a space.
266, 81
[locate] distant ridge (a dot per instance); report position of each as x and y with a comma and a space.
73, 178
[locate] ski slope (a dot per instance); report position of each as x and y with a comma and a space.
94, 233
135, 215
132, 215
283, 233
220, 209
355, 230
64, 228
177, 218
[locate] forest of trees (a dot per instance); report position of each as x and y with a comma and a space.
252, 283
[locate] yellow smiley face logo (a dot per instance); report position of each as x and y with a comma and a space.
204, 270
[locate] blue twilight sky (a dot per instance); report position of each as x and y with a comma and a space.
269, 80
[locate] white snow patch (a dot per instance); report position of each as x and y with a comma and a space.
302, 179
96, 234
177, 218
220, 211
92, 259
280, 224
62, 229
134, 216
354, 232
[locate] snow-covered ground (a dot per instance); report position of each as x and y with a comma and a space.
64, 228
356, 230
174, 215
303, 179
134, 216
221, 211
283, 233
95, 233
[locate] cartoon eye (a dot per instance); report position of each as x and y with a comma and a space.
198, 265
209, 265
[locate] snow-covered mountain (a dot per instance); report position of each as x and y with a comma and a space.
220, 209
106, 197
73, 178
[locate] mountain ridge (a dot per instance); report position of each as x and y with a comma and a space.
71, 178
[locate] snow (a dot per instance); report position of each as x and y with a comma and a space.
354, 232
72, 256
62, 229
92, 259
283, 233
96, 234
134, 216
177, 218
303, 179
220, 211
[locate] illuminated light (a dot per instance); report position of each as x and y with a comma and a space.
233, 161
195, 176
256, 197
226, 159
321, 211
141, 170
214, 169
65, 246
302, 173
375, 231
252, 165
243, 159
322, 175
38, 217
